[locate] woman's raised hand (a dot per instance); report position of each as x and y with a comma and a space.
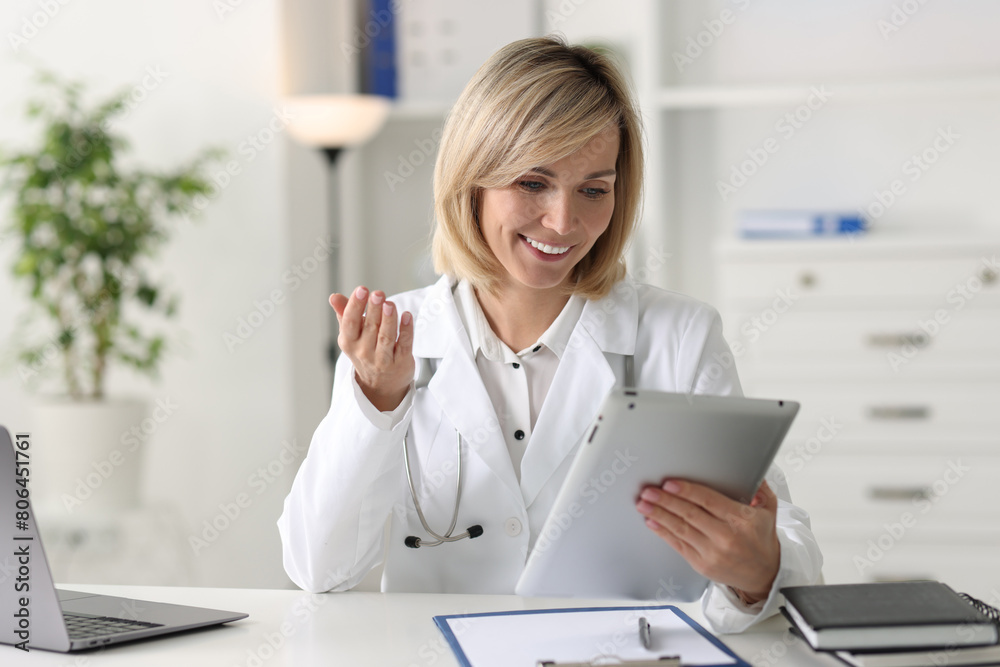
383, 361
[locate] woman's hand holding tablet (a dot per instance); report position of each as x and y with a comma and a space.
725, 540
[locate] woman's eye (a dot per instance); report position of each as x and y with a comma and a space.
531, 186
595, 193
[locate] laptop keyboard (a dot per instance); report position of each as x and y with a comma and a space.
83, 627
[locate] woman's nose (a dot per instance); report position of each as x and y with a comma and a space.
558, 215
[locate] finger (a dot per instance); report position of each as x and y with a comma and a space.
338, 302
713, 502
711, 526
373, 316
404, 343
685, 521
682, 536
351, 320
386, 343
686, 550
765, 497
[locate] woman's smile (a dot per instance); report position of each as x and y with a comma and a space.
546, 252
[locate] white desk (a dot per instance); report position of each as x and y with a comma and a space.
299, 629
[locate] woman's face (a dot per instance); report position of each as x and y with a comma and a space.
548, 219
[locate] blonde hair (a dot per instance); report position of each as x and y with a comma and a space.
534, 102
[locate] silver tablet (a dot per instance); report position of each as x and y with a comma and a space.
594, 542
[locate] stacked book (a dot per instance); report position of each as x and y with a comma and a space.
895, 624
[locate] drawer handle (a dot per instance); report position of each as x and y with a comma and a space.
884, 578
988, 276
807, 279
899, 412
916, 339
899, 493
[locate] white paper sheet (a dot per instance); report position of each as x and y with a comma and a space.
521, 639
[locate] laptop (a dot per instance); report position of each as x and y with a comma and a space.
38, 615
594, 543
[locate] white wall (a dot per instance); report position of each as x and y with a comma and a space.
223, 79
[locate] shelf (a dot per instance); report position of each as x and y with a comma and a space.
741, 95
874, 245
429, 110
734, 96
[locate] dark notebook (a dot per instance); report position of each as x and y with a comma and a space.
890, 615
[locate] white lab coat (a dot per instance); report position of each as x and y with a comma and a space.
353, 478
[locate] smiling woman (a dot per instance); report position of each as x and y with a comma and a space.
540, 229
539, 108
459, 406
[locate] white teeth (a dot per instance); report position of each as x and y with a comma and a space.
547, 249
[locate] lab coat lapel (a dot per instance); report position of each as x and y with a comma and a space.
457, 386
582, 381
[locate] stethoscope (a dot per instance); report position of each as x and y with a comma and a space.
415, 542
472, 532
412, 541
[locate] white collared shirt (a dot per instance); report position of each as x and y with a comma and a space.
517, 382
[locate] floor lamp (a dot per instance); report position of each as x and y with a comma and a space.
332, 123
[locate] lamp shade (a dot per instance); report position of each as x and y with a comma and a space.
335, 121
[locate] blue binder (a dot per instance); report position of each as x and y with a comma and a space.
380, 62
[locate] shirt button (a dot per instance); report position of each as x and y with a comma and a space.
537, 348
512, 526
516, 365
519, 434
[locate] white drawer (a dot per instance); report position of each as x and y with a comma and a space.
859, 494
968, 568
889, 410
867, 282
812, 440
879, 344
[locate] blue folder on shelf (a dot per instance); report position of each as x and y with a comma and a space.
523, 638
381, 59
778, 224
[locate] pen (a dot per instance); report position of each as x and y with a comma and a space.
663, 661
644, 632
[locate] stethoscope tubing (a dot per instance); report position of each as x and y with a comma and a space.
473, 532
415, 542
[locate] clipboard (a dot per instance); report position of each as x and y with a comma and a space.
587, 635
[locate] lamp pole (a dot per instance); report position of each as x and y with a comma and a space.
331, 123
333, 221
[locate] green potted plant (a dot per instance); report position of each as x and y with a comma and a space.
86, 227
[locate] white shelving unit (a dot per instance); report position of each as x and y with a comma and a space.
892, 346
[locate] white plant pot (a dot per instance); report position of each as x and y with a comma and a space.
83, 459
